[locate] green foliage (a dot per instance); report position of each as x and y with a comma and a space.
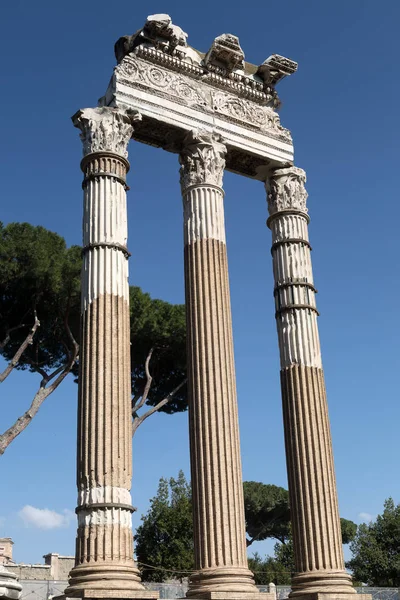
37, 273
268, 570
376, 549
165, 537
166, 534
267, 511
268, 515
349, 530
162, 326
284, 553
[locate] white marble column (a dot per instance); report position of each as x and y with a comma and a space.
104, 547
218, 509
10, 588
312, 487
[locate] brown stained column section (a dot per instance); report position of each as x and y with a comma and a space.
218, 509
312, 486
104, 547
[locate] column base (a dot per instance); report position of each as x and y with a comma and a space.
146, 595
102, 580
141, 595
312, 584
235, 596
329, 596
223, 583
121, 594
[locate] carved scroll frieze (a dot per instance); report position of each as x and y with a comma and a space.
262, 117
157, 78
286, 190
182, 89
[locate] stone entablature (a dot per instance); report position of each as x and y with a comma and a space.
177, 88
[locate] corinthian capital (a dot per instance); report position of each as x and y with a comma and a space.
105, 129
202, 159
286, 191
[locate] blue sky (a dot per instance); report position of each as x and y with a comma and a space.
342, 108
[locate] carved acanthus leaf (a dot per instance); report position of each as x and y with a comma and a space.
286, 190
105, 129
202, 159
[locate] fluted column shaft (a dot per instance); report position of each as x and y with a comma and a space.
312, 485
218, 508
104, 545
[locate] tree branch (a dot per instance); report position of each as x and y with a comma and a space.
43, 392
135, 398
28, 340
4, 343
137, 421
282, 540
74, 343
35, 366
249, 542
47, 378
149, 381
